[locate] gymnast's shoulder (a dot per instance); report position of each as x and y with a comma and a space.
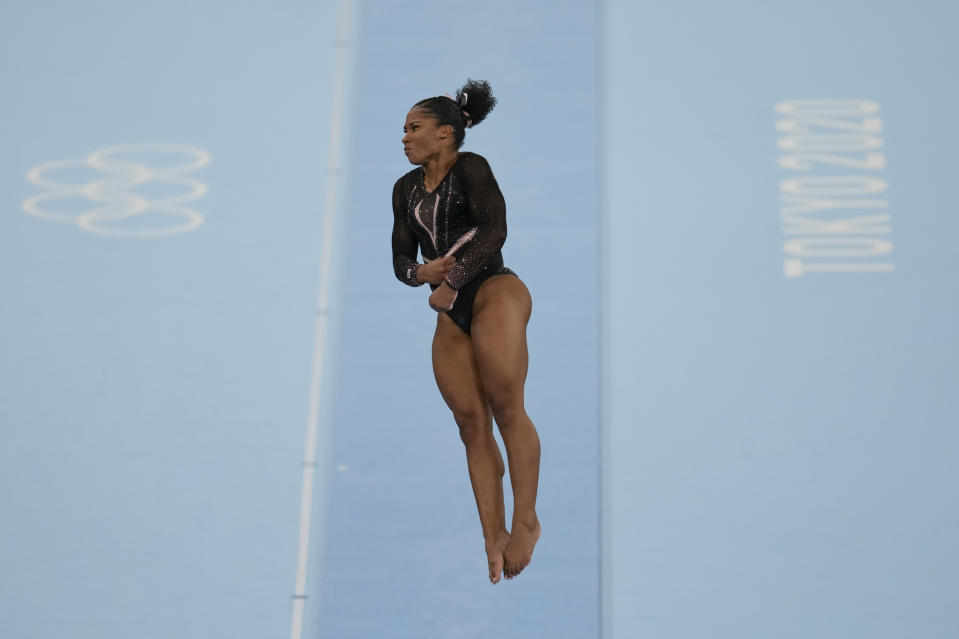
407, 179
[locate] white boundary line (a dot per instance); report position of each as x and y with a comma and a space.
343, 44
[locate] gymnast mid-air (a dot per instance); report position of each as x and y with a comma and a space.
451, 208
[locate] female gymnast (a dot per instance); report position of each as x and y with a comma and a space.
452, 209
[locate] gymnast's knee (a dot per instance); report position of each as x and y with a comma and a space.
507, 410
474, 425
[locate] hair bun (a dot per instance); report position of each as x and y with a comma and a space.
475, 100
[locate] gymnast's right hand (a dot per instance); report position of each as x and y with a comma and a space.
433, 272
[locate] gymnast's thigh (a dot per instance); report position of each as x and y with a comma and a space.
500, 316
456, 372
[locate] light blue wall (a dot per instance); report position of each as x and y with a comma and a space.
780, 451
153, 392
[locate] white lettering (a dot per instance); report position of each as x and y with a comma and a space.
875, 161
795, 267
797, 204
804, 125
829, 142
838, 247
833, 185
831, 220
865, 224
827, 107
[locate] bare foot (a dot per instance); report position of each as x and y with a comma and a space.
494, 554
519, 551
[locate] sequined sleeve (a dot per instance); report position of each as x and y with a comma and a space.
488, 209
404, 242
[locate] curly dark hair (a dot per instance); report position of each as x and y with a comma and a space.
470, 107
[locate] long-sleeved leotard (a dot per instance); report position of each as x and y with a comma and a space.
467, 198
465, 216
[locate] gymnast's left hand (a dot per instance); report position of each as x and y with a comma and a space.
442, 298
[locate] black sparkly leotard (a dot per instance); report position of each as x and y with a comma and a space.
464, 215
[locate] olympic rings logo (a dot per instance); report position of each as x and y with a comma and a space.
115, 205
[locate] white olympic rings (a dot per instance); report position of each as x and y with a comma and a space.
114, 202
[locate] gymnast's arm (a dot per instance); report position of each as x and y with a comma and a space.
404, 243
489, 210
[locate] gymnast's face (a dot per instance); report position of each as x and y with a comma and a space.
423, 138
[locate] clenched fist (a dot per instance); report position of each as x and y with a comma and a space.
434, 272
442, 298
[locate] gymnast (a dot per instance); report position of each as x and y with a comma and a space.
451, 208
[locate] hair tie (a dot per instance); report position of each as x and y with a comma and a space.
466, 114
461, 103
